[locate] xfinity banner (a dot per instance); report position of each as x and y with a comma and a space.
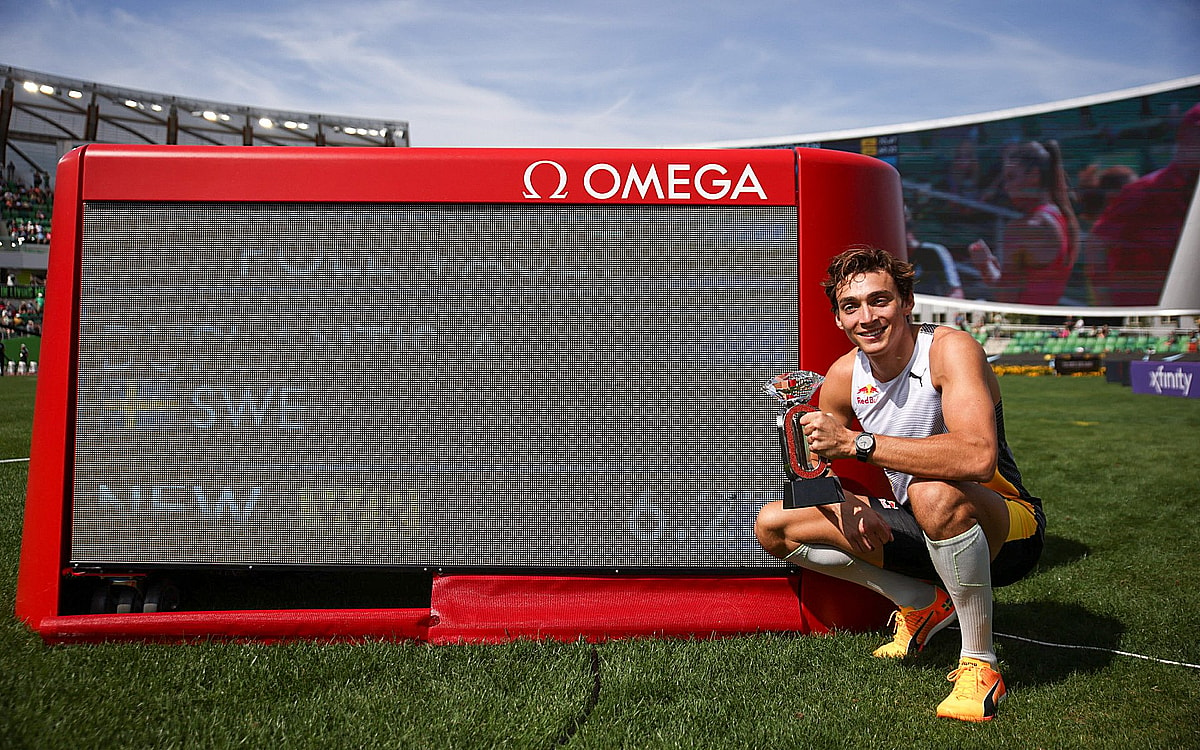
1166, 378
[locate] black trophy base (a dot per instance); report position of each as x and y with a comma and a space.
805, 493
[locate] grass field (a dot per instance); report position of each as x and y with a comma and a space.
1120, 474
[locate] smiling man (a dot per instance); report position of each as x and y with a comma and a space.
960, 520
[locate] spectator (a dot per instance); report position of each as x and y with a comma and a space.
934, 265
1131, 245
1041, 245
1097, 187
964, 170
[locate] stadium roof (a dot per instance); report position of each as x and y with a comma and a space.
42, 116
958, 120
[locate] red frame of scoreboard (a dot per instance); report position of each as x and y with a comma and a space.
842, 199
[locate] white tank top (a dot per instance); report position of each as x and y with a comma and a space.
905, 406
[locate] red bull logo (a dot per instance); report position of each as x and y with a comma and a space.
868, 394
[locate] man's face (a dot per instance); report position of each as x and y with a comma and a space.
871, 311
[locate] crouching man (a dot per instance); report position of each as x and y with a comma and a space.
961, 523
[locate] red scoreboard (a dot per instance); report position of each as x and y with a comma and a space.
520, 365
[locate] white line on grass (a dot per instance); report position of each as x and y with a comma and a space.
1095, 648
1106, 650
12, 460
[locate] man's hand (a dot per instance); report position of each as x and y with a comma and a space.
985, 261
863, 527
827, 436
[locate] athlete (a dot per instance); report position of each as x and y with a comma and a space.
960, 520
1040, 246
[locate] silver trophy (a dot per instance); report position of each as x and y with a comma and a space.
809, 479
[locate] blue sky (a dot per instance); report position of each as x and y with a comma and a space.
641, 73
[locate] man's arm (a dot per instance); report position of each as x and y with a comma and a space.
960, 371
835, 391
864, 529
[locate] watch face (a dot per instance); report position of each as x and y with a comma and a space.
863, 442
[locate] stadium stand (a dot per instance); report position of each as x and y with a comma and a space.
26, 211
1051, 342
42, 116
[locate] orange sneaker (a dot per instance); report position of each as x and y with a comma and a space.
914, 627
978, 690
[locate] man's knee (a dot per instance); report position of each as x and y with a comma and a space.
935, 494
940, 507
946, 509
768, 529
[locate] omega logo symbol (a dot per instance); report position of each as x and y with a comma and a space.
559, 192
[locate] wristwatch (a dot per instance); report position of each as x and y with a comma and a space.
864, 446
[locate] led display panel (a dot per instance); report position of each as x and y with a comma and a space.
1129, 161
428, 384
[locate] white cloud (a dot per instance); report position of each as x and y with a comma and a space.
561, 72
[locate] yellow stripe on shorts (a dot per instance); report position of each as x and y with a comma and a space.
1022, 523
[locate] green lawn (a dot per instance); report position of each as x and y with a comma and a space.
1119, 473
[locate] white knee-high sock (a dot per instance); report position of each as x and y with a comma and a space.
965, 566
901, 589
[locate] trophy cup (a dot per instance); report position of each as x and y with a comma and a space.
810, 482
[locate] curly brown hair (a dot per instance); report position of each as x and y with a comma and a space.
860, 259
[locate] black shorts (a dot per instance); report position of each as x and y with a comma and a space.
908, 555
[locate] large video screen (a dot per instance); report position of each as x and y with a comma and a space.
438, 385
979, 230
